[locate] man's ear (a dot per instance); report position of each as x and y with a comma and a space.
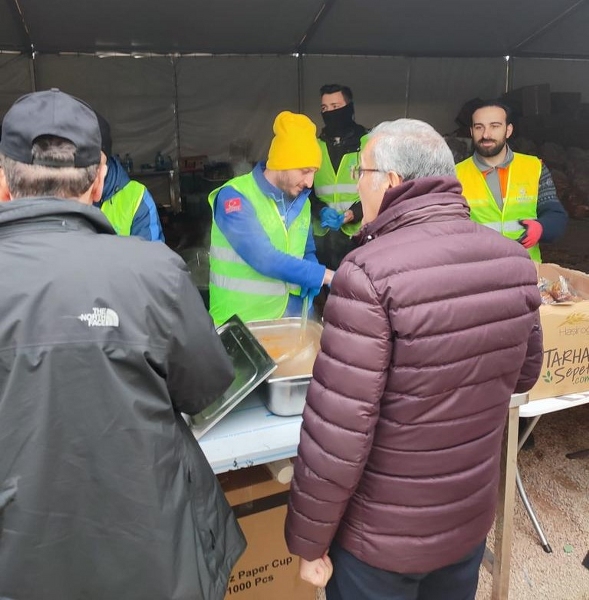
394, 179
98, 185
509, 130
4, 191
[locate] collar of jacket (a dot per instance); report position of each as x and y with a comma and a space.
116, 179
68, 213
417, 201
350, 136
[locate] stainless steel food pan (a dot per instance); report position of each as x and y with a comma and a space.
252, 365
285, 397
285, 391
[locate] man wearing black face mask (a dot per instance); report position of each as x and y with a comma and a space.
335, 204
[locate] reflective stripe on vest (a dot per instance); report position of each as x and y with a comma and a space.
337, 190
521, 198
120, 208
266, 288
507, 226
227, 254
237, 288
271, 287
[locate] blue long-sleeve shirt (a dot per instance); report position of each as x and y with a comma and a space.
146, 222
248, 238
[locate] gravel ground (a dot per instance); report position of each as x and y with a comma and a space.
558, 488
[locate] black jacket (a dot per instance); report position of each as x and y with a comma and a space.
104, 492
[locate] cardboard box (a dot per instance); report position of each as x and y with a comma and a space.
560, 129
567, 103
267, 570
530, 100
565, 369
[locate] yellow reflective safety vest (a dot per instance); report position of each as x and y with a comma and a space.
234, 286
520, 202
120, 208
337, 190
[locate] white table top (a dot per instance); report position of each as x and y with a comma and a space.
548, 405
250, 435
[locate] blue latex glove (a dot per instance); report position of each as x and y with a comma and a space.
331, 218
325, 211
310, 292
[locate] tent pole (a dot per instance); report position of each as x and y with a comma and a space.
312, 28
176, 170
408, 87
509, 66
300, 83
33, 71
548, 25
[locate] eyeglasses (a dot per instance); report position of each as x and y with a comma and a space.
356, 171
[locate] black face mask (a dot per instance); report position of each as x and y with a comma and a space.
338, 121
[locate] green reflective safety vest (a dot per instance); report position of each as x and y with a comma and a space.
520, 202
120, 208
234, 286
337, 190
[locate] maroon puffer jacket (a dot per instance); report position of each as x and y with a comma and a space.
430, 326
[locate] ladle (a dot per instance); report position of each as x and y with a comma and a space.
304, 317
303, 344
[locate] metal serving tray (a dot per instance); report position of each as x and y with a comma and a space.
252, 365
284, 393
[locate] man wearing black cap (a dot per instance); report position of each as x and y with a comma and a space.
127, 204
104, 492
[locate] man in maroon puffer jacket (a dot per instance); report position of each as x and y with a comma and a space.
430, 326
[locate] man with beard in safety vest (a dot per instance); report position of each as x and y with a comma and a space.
509, 192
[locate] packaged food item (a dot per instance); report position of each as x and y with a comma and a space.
557, 292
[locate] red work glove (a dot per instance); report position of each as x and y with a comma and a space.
531, 236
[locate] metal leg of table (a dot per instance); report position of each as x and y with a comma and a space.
522, 492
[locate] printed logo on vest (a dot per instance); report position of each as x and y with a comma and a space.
233, 205
100, 317
524, 196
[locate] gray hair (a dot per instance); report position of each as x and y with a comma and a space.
412, 149
33, 181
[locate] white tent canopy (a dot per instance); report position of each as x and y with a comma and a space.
188, 77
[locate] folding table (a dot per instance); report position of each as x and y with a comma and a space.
535, 410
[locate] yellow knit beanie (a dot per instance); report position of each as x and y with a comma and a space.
294, 145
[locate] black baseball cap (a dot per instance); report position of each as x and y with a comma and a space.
51, 112
105, 134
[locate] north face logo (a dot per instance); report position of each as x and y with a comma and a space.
101, 317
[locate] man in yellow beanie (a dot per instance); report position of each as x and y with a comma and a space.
262, 259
